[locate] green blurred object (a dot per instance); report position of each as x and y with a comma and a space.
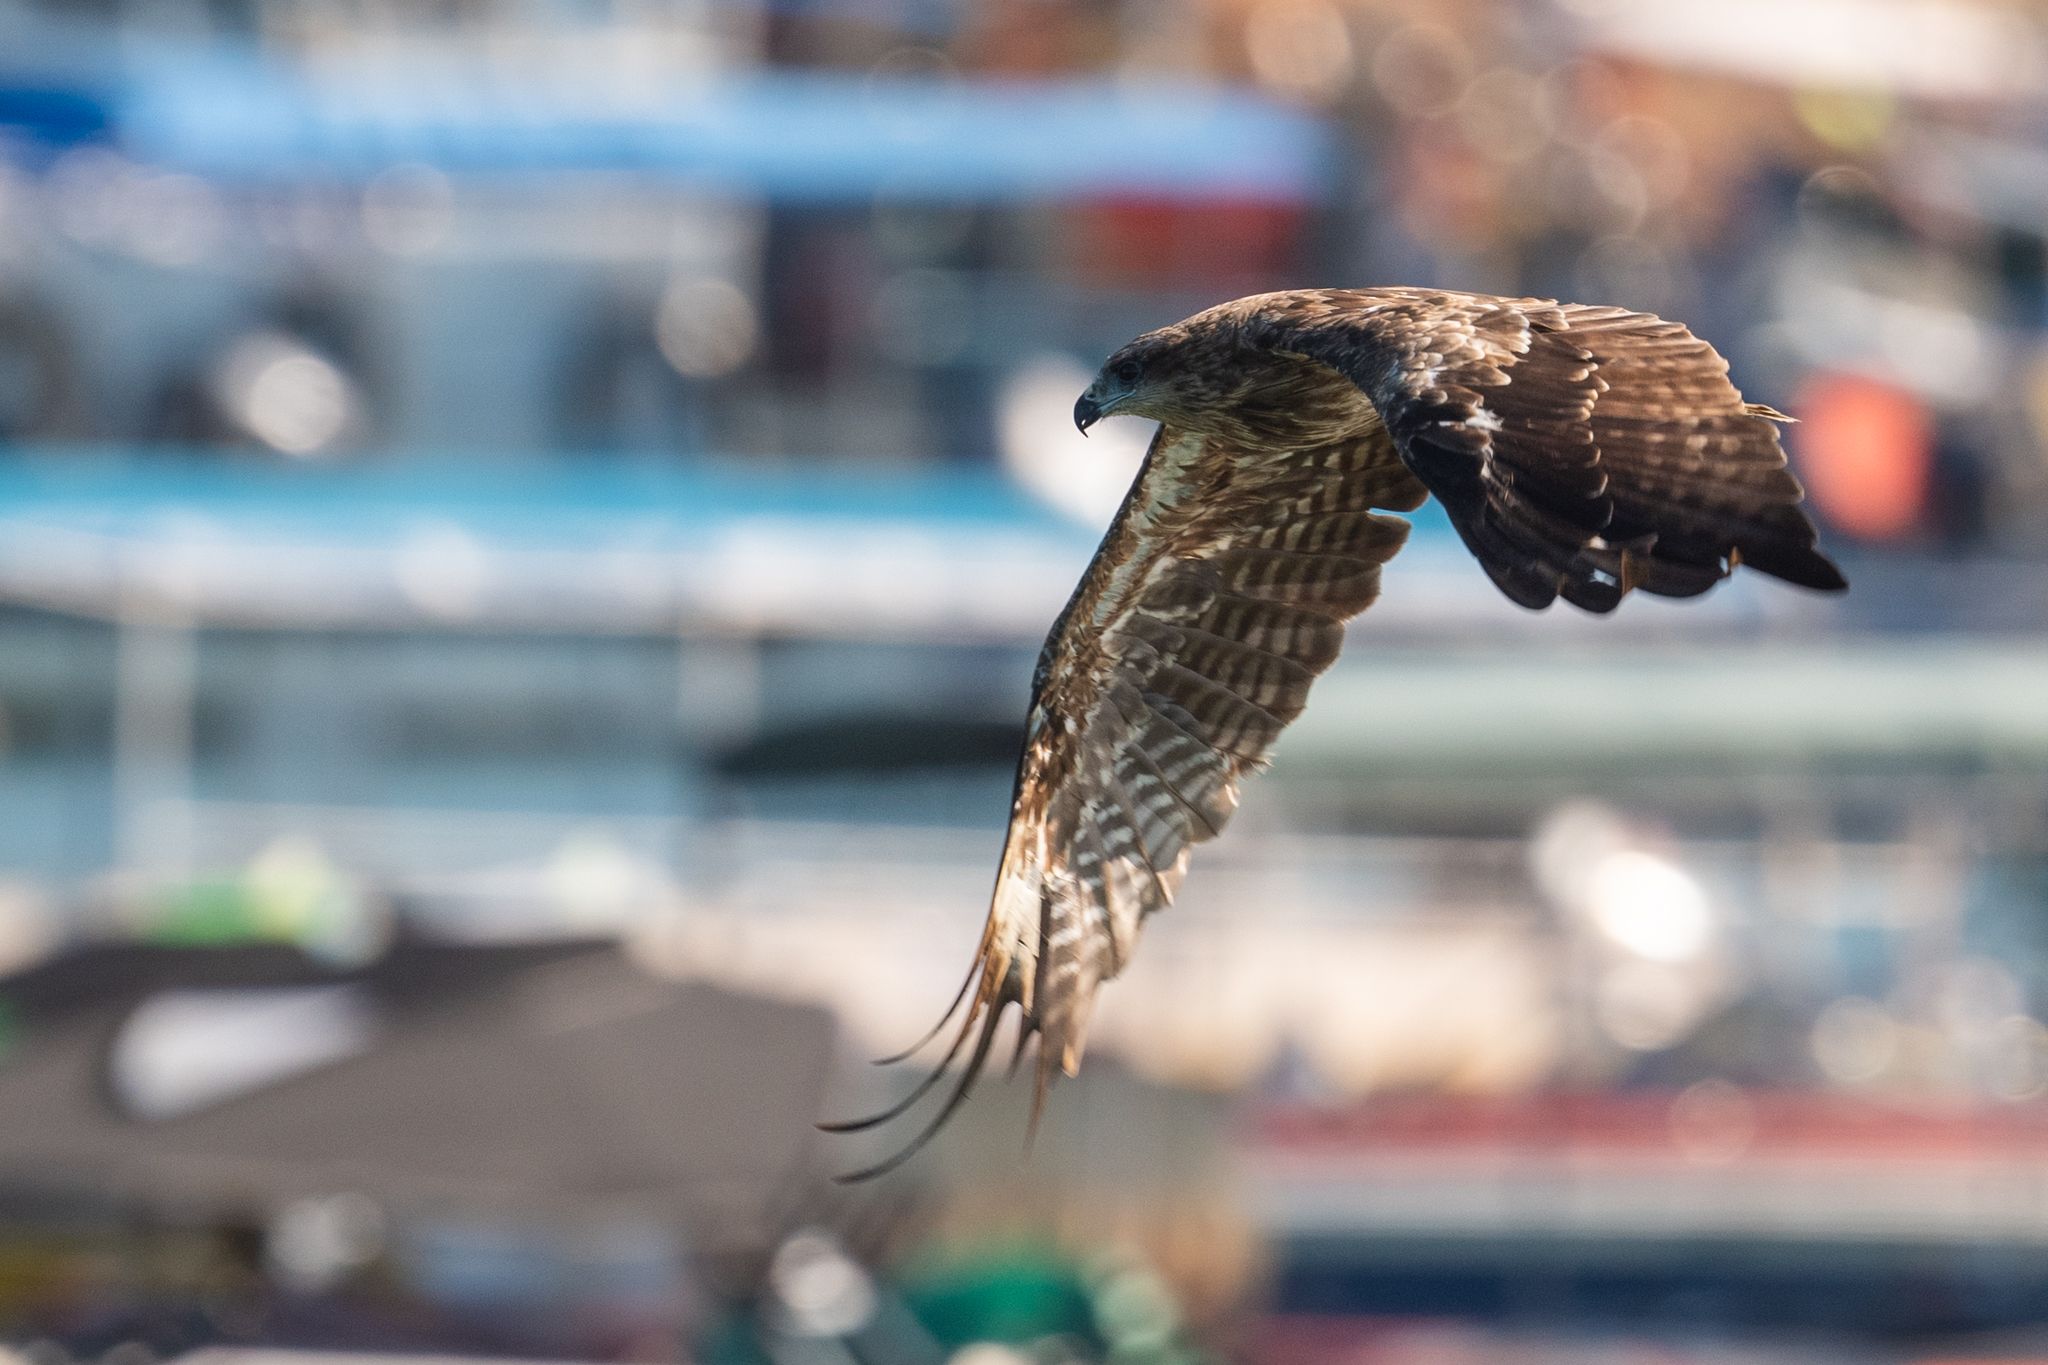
1014, 1298
289, 893
10, 1029
1030, 1298
1017, 1297
212, 912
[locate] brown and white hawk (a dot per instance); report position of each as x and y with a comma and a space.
1581, 452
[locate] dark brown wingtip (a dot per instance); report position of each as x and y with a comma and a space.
1046, 1071
990, 1020
921, 1089
861, 1125
1800, 565
1025, 1032
1826, 575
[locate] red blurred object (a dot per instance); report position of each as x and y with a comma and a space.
1652, 1124
1866, 451
1131, 240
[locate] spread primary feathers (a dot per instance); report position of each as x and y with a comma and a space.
1581, 452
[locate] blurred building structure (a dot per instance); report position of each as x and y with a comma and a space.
494, 470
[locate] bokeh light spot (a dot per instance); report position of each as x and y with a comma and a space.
706, 328
1866, 451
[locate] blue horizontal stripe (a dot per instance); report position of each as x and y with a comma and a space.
788, 135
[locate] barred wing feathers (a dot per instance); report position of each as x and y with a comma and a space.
1580, 451
1219, 594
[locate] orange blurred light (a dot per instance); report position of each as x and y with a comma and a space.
1866, 451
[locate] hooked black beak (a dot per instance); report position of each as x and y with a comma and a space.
1087, 412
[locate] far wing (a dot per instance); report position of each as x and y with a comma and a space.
1218, 595
1580, 451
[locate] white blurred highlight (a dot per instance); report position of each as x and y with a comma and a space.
314, 1243
286, 394
1916, 47
597, 883
821, 1292
184, 1050
443, 570
1084, 477
1649, 906
705, 327
1659, 963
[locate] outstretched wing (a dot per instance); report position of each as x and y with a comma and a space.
1218, 595
1580, 451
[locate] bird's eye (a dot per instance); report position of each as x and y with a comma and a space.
1128, 372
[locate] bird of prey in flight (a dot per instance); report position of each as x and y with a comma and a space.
1581, 452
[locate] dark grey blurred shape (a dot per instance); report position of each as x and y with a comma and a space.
39, 397
525, 1077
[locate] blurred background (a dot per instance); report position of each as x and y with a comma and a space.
524, 525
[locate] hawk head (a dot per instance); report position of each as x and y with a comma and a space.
1158, 375
1123, 384
1204, 374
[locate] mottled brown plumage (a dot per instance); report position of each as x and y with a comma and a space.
1581, 452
